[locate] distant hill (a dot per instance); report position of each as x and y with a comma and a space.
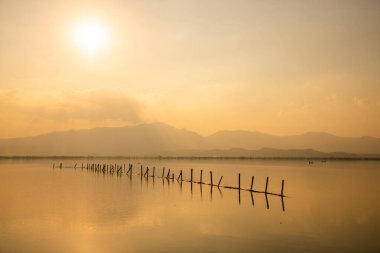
323, 142
263, 153
160, 139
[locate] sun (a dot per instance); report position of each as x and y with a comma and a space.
91, 35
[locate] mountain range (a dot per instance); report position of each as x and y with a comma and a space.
158, 139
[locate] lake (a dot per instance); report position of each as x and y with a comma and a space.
329, 206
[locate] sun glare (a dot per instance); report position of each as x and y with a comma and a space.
91, 36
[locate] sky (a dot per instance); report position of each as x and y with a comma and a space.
279, 67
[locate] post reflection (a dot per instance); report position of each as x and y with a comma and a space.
168, 177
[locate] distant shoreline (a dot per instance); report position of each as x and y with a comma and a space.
191, 158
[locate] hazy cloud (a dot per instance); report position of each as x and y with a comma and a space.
86, 108
362, 103
331, 98
92, 105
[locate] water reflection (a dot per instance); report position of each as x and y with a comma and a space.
170, 179
70, 210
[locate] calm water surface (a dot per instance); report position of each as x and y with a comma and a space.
331, 207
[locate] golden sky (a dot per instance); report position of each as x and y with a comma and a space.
280, 67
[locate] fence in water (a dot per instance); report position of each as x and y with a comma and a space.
120, 169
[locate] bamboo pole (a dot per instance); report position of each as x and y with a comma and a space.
200, 180
282, 188
253, 177
180, 176
266, 185
220, 181
210, 177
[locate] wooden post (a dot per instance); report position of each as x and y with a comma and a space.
141, 169
200, 187
282, 188
191, 176
220, 181
191, 188
154, 169
180, 182
253, 177
211, 178
201, 177
239, 181
266, 185
168, 175
163, 172
211, 191
180, 176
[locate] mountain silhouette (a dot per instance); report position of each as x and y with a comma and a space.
158, 139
